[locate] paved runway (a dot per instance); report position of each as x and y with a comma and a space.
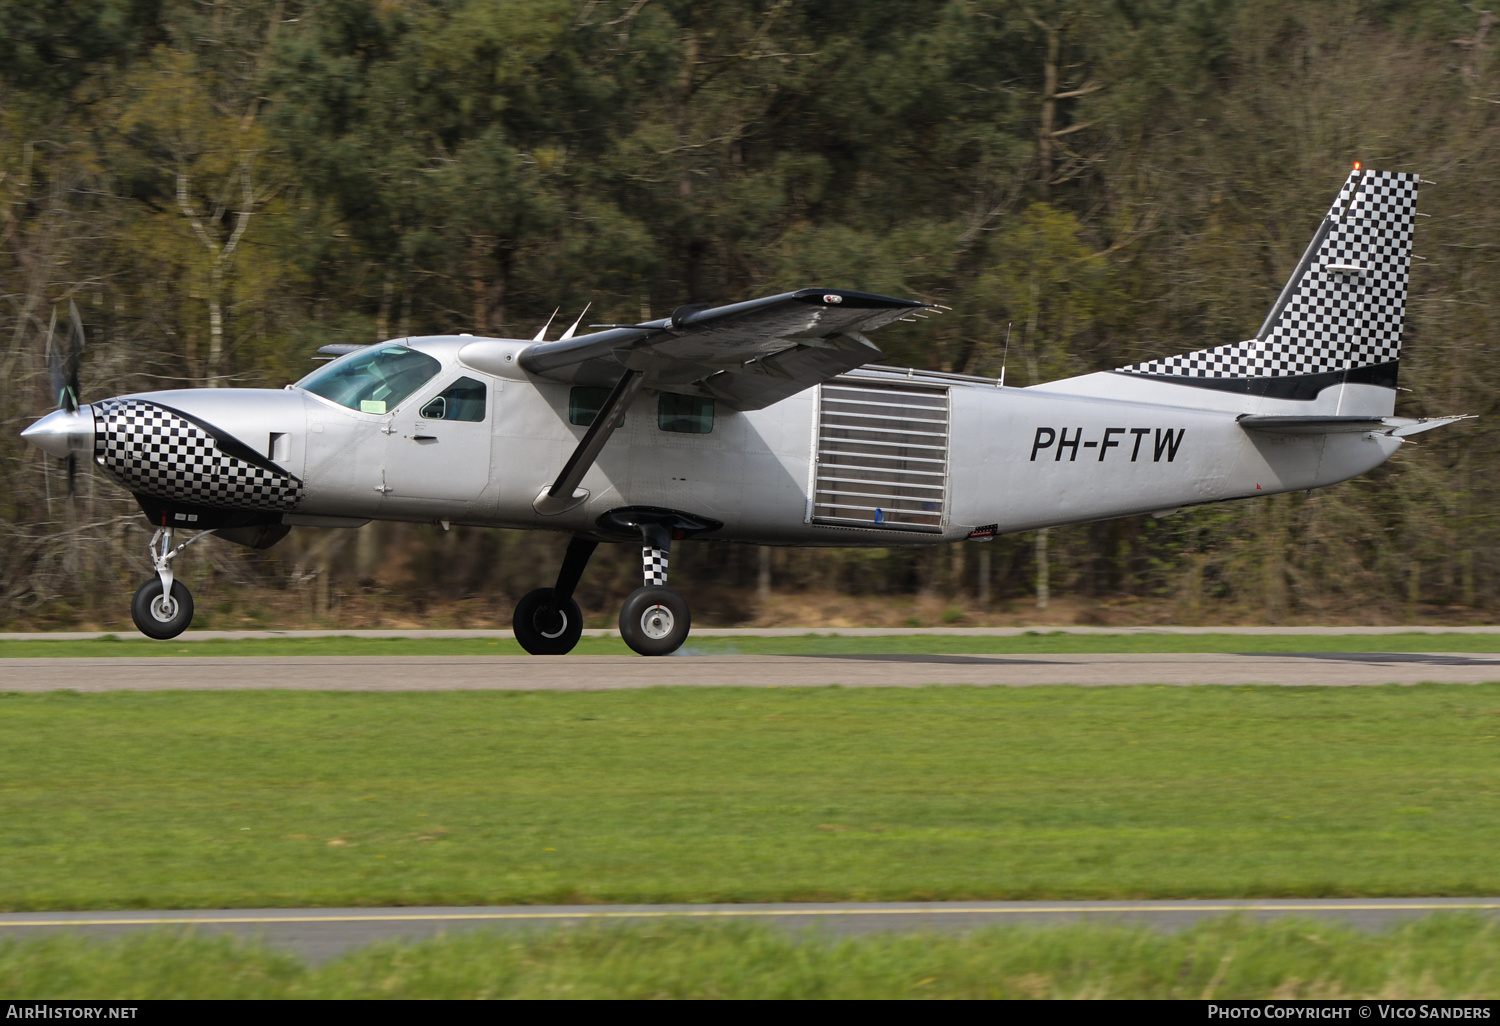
757, 632
320, 934
578, 673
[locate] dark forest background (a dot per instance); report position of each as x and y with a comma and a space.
222, 186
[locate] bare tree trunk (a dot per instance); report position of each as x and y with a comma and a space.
984, 577
479, 284
499, 297
220, 259
367, 550
215, 326
403, 329
1273, 554
1045, 135
322, 589
763, 575
383, 319
1043, 591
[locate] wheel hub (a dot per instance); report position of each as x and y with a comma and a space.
551, 623
657, 622
164, 608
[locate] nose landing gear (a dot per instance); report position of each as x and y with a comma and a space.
163, 607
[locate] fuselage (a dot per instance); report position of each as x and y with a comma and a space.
873, 458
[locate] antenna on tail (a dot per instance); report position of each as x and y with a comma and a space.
1004, 355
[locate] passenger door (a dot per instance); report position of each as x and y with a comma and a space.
439, 442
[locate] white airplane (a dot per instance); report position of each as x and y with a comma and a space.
763, 422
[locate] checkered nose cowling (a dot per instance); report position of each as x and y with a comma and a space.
1342, 310
159, 452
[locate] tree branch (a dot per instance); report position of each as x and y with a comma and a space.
192, 215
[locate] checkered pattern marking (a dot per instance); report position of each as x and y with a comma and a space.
155, 452
1332, 321
654, 563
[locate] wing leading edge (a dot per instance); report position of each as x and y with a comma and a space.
747, 355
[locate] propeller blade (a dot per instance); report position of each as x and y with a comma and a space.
77, 340
56, 375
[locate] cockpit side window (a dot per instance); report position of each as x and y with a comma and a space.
462, 400
376, 380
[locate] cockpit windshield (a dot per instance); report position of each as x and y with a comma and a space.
374, 380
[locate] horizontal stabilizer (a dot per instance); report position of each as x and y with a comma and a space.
1405, 427
337, 349
1310, 425
1400, 427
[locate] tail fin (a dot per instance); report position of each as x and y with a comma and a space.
1338, 319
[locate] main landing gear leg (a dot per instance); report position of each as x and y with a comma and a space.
163, 607
654, 620
548, 621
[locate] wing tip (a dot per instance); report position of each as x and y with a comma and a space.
852, 298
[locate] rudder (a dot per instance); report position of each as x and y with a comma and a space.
1338, 318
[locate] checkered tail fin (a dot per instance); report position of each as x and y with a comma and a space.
1339, 315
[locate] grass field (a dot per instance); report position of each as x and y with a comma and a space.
809, 644
1447, 957
201, 799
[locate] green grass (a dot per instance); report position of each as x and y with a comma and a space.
1441, 957
807, 644
222, 799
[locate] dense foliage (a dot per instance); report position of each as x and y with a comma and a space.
223, 185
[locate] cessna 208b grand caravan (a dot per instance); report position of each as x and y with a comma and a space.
764, 422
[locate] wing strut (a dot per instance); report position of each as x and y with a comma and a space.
564, 493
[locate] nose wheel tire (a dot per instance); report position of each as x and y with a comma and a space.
542, 629
159, 616
654, 620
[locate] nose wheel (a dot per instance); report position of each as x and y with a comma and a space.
159, 615
163, 607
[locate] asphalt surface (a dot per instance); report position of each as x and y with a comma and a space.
320, 934
589, 673
760, 632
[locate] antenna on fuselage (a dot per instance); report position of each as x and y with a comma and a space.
542, 335
569, 333
1004, 355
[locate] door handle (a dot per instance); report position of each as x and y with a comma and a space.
424, 438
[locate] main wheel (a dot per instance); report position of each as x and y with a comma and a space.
654, 620
544, 630
159, 617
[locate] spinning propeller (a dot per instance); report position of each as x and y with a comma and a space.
68, 430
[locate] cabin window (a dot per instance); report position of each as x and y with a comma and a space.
374, 380
584, 405
687, 413
462, 400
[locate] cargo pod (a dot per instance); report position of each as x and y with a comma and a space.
880, 458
